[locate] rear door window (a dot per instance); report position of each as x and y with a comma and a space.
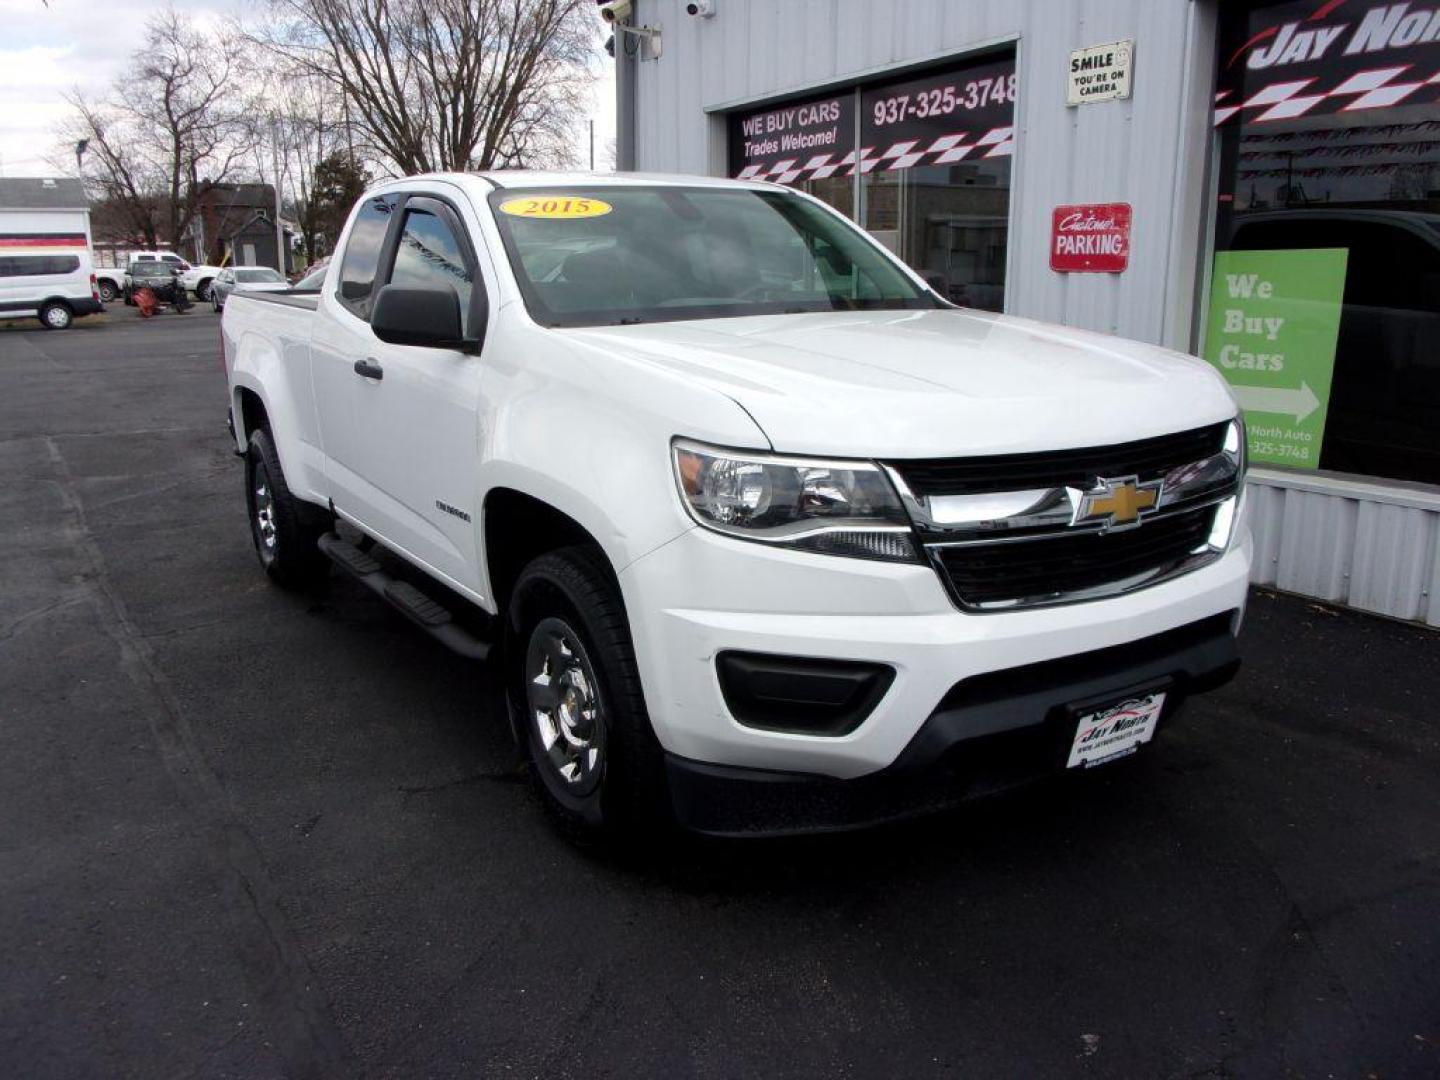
362, 254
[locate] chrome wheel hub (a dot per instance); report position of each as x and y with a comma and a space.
565, 705
264, 509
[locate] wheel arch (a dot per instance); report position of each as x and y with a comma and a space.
517, 528
250, 413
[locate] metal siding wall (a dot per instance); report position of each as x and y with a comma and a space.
1131, 151
1372, 554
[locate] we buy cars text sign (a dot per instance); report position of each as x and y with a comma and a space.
1091, 239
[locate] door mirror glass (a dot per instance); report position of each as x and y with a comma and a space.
419, 315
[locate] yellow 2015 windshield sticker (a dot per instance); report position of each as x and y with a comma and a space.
555, 206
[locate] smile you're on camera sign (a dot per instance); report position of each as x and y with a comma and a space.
1100, 73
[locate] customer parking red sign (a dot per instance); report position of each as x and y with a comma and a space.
1090, 239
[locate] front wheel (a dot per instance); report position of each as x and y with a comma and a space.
284, 529
202, 291
108, 292
576, 692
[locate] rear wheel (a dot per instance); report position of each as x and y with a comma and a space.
576, 692
202, 290
56, 316
284, 529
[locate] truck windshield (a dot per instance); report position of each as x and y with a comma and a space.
605, 256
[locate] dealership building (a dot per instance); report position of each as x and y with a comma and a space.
1254, 182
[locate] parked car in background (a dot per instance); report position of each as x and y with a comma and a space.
245, 279
54, 287
109, 283
313, 277
152, 274
195, 278
198, 280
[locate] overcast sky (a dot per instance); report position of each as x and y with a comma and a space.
45, 51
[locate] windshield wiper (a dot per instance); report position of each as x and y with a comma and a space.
629, 320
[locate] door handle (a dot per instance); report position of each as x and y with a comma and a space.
370, 368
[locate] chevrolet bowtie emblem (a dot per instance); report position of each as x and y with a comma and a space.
1116, 503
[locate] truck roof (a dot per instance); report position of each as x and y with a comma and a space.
524, 179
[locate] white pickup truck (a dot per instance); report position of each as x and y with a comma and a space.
763, 535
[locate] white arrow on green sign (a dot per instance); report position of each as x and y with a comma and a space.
1274, 320
1275, 399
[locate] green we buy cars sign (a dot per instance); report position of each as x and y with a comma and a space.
1274, 318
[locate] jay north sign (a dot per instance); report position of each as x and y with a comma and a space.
1308, 58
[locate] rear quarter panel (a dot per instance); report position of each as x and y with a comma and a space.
267, 351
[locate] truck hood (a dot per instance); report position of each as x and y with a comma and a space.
929, 383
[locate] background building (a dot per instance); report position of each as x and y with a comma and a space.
235, 225
1255, 182
43, 213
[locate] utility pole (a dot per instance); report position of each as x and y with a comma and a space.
279, 229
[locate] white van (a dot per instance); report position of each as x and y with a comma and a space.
55, 285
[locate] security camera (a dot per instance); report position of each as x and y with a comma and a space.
703, 8
616, 10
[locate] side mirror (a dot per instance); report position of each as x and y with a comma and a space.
429, 317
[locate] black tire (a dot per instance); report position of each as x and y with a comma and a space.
283, 528
108, 291
129, 298
202, 290
56, 316
623, 801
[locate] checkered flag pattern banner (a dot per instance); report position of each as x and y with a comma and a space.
1374, 89
906, 154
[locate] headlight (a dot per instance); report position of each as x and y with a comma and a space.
833, 507
1235, 445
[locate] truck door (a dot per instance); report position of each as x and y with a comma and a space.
411, 456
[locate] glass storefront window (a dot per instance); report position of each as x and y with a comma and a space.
924, 163
949, 222
1329, 138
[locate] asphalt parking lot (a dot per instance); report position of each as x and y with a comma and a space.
245, 833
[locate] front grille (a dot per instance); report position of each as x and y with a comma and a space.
1146, 458
1031, 559
1027, 572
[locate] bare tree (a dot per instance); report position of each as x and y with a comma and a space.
167, 133
307, 123
446, 84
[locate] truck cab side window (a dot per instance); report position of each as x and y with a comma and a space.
429, 254
362, 254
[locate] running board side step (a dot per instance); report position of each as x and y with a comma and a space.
424, 612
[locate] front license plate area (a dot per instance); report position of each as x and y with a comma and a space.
1115, 731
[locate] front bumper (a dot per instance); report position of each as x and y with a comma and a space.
703, 594
989, 733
